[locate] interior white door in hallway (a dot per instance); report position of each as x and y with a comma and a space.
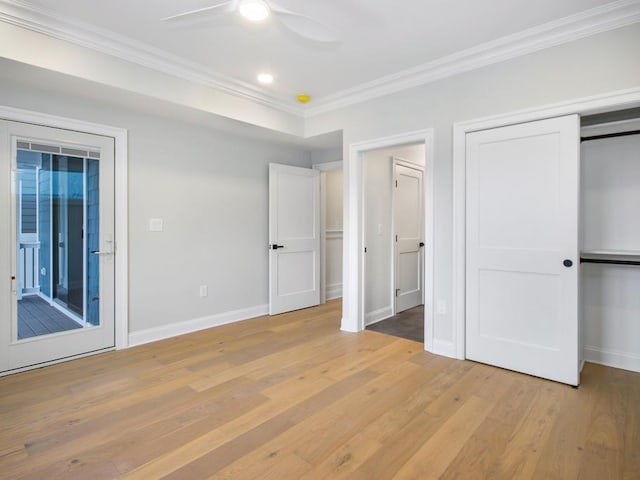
408, 236
294, 238
57, 253
522, 252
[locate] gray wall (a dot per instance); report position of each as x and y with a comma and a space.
595, 65
210, 188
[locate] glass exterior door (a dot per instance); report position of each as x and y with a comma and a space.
62, 290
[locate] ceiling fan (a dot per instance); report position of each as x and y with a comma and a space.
260, 10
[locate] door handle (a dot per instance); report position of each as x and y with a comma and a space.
275, 246
111, 250
421, 244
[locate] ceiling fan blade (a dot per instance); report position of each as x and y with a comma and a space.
303, 25
221, 7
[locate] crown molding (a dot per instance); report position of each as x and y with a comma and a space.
590, 22
40, 20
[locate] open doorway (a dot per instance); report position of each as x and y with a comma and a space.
394, 240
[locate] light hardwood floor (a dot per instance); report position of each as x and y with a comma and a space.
292, 397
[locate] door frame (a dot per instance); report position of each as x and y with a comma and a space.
354, 227
324, 168
120, 136
584, 106
394, 262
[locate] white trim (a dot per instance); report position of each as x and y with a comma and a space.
584, 106
180, 328
53, 362
378, 315
45, 21
353, 317
574, 27
121, 208
334, 291
446, 349
611, 358
324, 233
325, 167
323, 236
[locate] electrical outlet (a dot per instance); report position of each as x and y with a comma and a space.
441, 307
204, 290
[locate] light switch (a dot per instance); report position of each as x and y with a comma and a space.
156, 225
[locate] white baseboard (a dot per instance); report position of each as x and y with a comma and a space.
610, 358
189, 326
378, 315
444, 348
334, 291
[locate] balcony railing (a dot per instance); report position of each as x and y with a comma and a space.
28, 268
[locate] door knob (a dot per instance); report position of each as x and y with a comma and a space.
275, 246
567, 263
421, 244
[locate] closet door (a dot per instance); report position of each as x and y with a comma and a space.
522, 248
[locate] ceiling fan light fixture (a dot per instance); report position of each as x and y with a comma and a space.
254, 10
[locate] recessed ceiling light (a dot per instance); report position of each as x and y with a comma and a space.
265, 78
254, 10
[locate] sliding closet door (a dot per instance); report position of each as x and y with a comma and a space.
522, 248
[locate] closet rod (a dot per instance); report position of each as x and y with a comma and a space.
610, 135
609, 261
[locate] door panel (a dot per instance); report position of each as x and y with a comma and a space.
71, 312
294, 226
522, 223
408, 228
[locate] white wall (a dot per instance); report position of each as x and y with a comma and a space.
594, 65
378, 222
210, 188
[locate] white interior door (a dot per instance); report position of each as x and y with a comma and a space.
294, 238
408, 236
57, 288
522, 248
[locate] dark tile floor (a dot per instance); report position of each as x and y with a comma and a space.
36, 317
408, 324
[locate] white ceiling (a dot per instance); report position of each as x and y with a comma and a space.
379, 38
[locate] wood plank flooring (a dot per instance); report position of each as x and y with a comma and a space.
292, 397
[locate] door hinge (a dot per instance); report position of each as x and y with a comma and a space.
396, 183
397, 292
365, 249
396, 238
